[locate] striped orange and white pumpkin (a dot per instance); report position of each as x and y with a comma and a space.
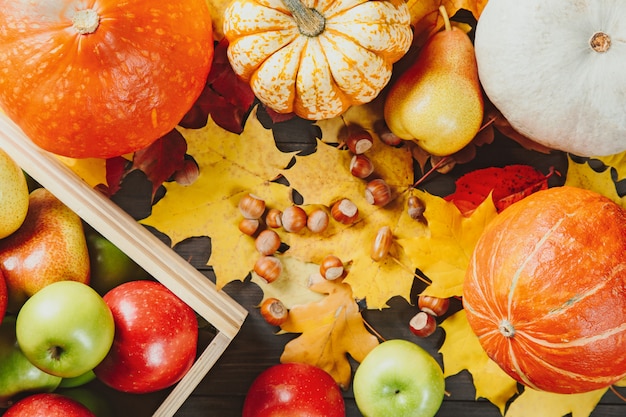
545, 291
316, 58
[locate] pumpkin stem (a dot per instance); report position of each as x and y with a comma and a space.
506, 328
446, 18
600, 42
85, 21
310, 22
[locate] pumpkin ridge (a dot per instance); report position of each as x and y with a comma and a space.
364, 79
518, 273
517, 369
582, 341
529, 353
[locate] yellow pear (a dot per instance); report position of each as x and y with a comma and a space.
437, 101
13, 195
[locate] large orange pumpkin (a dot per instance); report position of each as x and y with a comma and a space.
99, 78
545, 291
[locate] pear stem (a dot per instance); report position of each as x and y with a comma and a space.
310, 21
446, 18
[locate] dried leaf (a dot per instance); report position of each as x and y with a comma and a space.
461, 350
226, 97
162, 158
330, 330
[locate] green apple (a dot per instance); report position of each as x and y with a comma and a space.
17, 374
65, 329
398, 378
79, 380
110, 266
95, 401
50, 246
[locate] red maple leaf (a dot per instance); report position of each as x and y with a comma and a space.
226, 97
506, 184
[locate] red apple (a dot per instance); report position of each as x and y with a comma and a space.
3, 297
48, 405
296, 390
156, 337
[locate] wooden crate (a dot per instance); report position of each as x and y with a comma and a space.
142, 246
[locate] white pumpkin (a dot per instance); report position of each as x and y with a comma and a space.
557, 70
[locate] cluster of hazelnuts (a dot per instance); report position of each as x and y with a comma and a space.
261, 223
424, 323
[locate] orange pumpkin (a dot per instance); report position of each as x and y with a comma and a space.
545, 291
316, 58
100, 78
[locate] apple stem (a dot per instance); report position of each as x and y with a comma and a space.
446, 18
55, 352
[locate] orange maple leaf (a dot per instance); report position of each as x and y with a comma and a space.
331, 329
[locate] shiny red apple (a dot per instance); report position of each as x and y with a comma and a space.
156, 337
3, 297
48, 405
295, 390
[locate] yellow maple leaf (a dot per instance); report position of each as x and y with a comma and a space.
427, 20
330, 330
582, 175
617, 161
461, 350
292, 286
231, 166
541, 403
443, 253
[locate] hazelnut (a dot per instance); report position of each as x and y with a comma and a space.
381, 244
377, 192
273, 218
359, 140
251, 206
249, 226
415, 207
344, 211
317, 221
294, 219
423, 324
274, 311
268, 267
331, 267
434, 306
361, 166
267, 242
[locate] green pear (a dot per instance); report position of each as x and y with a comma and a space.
17, 374
50, 246
110, 266
13, 195
438, 101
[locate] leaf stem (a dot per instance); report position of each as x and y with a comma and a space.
434, 168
